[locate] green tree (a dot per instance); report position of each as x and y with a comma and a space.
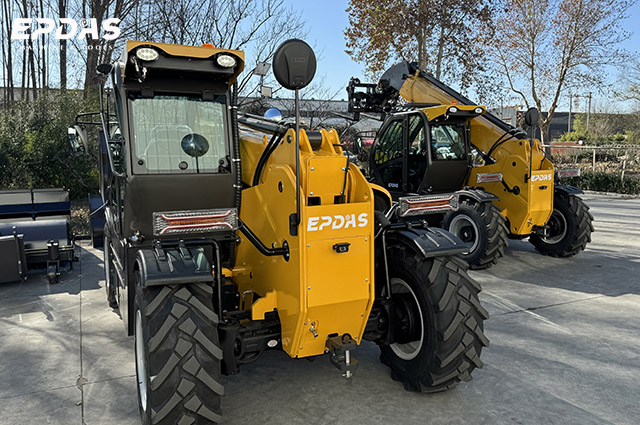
445, 38
34, 150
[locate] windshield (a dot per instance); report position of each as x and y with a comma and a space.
175, 134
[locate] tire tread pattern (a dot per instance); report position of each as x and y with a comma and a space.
579, 236
459, 335
184, 355
497, 235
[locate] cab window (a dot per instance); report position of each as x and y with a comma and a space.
390, 146
388, 155
177, 134
447, 142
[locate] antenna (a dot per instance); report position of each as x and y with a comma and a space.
294, 66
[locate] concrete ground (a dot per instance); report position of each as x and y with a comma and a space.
565, 349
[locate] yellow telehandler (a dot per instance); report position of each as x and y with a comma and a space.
435, 141
229, 235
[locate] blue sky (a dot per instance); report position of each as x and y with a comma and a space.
326, 21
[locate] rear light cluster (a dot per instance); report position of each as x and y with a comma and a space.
194, 221
428, 204
489, 177
569, 172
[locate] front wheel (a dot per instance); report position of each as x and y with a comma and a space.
177, 355
482, 228
569, 228
437, 323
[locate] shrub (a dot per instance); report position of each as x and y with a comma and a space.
606, 182
34, 150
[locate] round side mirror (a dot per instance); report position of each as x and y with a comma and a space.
531, 117
273, 114
104, 68
294, 64
194, 145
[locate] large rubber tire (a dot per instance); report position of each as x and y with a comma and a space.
176, 341
110, 282
438, 345
570, 228
482, 226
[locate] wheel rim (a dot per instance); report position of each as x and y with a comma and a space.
466, 229
557, 228
141, 364
408, 350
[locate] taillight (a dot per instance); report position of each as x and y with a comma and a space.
489, 177
194, 221
428, 204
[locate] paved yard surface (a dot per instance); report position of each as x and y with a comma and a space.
565, 349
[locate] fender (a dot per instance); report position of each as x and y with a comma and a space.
563, 189
382, 194
430, 242
477, 195
172, 266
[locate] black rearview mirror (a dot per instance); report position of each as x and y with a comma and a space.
104, 68
294, 64
531, 117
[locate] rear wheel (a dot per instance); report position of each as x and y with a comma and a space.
438, 322
177, 355
482, 228
570, 227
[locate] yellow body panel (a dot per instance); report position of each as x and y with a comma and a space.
534, 203
318, 291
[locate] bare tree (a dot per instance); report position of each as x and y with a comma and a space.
62, 12
255, 26
544, 47
629, 83
7, 53
100, 50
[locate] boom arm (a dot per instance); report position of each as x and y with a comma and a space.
420, 89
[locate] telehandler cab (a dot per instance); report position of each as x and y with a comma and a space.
435, 141
230, 235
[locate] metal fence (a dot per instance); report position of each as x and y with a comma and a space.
623, 160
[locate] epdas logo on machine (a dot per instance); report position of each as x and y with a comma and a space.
337, 222
542, 178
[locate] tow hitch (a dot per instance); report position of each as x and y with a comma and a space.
340, 348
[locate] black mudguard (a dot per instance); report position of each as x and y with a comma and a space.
566, 190
172, 266
478, 195
428, 242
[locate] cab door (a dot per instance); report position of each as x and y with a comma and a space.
388, 156
448, 157
399, 157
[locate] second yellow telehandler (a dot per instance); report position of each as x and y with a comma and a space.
434, 141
